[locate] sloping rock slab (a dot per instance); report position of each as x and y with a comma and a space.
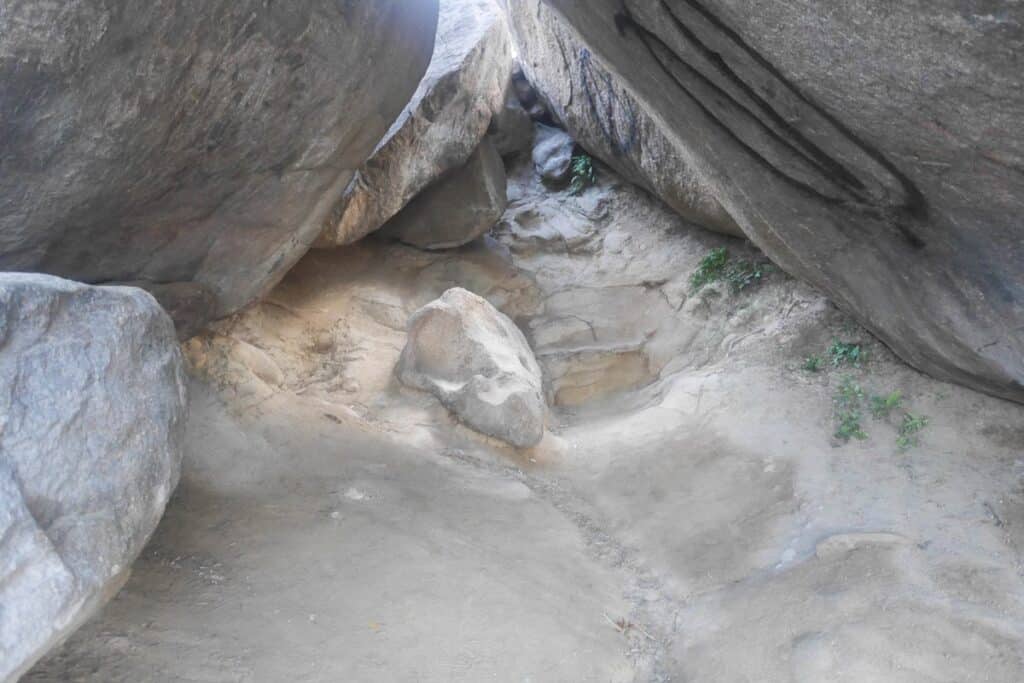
174, 141
478, 363
605, 118
460, 207
871, 148
439, 128
92, 418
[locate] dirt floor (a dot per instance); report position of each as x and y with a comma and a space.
690, 516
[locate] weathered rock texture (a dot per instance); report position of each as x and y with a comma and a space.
478, 363
167, 141
871, 148
552, 154
92, 412
606, 119
458, 208
439, 128
511, 128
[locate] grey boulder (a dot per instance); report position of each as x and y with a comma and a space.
477, 362
92, 418
440, 126
511, 129
458, 208
871, 148
171, 141
552, 154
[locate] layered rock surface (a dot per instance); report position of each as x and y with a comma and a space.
477, 362
165, 142
441, 125
92, 419
606, 119
889, 177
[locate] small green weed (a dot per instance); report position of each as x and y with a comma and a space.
910, 431
848, 413
843, 353
743, 273
710, 268
881, 406
813, 363
583, 173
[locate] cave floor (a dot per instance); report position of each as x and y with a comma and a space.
689, 516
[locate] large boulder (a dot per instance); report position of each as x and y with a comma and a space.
458, 208
92, 418
477, 362
872, 148
440, 127
172, 141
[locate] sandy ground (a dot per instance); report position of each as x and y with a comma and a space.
689, 517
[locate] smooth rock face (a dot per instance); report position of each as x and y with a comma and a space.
511, 129
478, 363
871, 148
169, 142
92, 417
460, 207
606, 119
552, 154
440, 126
189, 304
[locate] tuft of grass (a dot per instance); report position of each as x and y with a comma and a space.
740, 274
710, 268
843, 353
848, 402
881, 406
910, 431
813, 363
582, 172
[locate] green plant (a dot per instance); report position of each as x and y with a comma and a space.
710, 268
848, 402
812, 363
743, 273
583, 173
846, 353
910, 430
881, 406
848, 425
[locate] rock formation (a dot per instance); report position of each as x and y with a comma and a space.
478, 363
458, 208
872, 149
605, 118
552, 154
439, 128
92, 418
171, 142
511, 129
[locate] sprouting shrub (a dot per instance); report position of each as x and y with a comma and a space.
910, 430
710, 268
881, 406
843, 353
812, 363
583, 173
